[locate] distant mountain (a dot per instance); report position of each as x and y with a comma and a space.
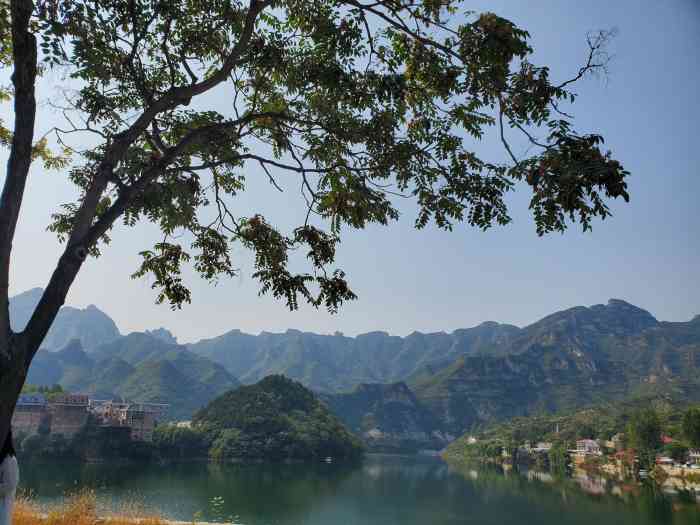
332, 363
277, 418
567, 360
90, 326
163, 334
138, 367
388, 417
474, 376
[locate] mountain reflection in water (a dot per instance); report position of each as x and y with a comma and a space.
381, 490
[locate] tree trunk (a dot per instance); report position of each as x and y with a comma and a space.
13, 372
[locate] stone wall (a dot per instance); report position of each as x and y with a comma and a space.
29, 420
68, 419
141, 424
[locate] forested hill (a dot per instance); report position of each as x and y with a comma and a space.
568, 360
276, 418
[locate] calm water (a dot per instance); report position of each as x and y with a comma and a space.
382, 490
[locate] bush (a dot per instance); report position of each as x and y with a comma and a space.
171, 441
676, 451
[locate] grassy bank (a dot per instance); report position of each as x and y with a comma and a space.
81, 509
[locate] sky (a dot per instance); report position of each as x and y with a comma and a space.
428, 280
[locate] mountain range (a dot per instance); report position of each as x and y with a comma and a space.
139, 367
333, 363
398, 388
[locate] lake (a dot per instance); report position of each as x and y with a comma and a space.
382, 489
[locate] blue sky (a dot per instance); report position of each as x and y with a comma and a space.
429, 280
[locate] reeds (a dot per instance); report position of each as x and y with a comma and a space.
79, 509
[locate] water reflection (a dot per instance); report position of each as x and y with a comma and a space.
646, 502
382, 490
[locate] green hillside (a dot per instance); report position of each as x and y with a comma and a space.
335, 363
569, 360
137, 367
277, 418
388, 417
602, 422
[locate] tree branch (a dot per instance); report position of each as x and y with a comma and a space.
84, 232
23, 78
172, 99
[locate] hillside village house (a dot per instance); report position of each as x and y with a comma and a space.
67, 414
542, 446
694, 457
616, 442
141, 421
588, 447
141, 418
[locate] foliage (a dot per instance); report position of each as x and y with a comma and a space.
92, 442
50, 392
559, 459
640, 422
676, 451
463, 450
43, 445
691, 426
356, 101
175, 442
644, 435
78, 508
276, 418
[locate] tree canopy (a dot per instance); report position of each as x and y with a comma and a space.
359, 101
691, 427
644, 435
352, 98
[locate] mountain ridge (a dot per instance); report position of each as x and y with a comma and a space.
155, 372
466, 378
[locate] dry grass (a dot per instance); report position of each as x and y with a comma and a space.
79, 509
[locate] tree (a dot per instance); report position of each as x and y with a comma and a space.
357, 101
644, 434
691, 427
676, 451
559, 459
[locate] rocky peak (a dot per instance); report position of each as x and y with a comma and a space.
163, 334
73, 353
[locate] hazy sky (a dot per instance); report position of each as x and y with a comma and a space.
648, 253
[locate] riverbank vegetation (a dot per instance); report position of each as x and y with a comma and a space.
79, 509
275, 419
647, 434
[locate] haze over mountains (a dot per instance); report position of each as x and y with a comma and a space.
422, 385
90, 325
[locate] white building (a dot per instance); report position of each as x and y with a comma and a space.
588, 447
